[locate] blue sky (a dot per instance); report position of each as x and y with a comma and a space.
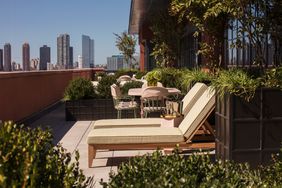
39, 22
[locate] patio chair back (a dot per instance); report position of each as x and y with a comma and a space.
124, 78
153, 100
198, 114
121, 103
115, 91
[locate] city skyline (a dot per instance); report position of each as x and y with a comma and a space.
28, 22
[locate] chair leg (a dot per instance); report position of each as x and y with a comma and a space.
119, 114
91, 155
134, 113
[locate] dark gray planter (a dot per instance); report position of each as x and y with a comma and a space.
92, 109
249, 131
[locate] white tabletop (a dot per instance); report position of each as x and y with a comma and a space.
138, 91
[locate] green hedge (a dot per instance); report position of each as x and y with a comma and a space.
79, 88
196, 170
29, 159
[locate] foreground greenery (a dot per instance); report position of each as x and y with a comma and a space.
196, 170
29, 159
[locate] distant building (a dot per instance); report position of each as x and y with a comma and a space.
70, 65
50, 66
1, 60
26, 57
115, 62
80, 62
87, 52
7, 57
63, 51
45, 57
75, 65
34, 64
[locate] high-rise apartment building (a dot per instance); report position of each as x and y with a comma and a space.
63, 51
45, 57
115, 62
7, 57
26, 57
1, 60
87, 52
70, 65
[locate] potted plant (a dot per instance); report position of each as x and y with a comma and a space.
83, 101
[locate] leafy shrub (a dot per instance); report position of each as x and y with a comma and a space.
100, 74
171, 77
272, 174
196, 170
129, 85
79, 88
237, 82
272, 78
190, 77
104, 87
140, 74
128, 72
29, 159
153, 77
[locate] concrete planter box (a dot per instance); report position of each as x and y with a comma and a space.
92, 109
249, 131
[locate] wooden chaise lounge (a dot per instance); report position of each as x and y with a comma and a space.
155, 137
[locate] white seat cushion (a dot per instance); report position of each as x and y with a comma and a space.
135, 136
136, 122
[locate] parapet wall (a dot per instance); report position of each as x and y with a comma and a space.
25, 93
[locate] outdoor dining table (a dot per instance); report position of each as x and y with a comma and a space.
138, 91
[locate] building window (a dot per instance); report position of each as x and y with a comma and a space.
240, 52
189, 48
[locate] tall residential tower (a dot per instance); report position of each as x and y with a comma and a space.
87, 52
45, 57
7, 57
63, 52
26, 57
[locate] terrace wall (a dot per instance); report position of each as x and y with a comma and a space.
23, 94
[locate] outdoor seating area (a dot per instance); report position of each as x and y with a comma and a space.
155, 137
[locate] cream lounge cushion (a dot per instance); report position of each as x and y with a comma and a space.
196, 116
135, 135
192, 96
136, 122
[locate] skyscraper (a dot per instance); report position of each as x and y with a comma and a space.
7, 57
26, 57
45, 57
63, 51
87, 52
1, 60
70, 65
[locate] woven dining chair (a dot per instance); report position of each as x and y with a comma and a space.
121, 102
153, 100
